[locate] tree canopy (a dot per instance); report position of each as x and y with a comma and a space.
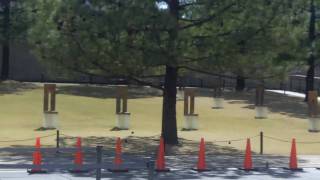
135, 39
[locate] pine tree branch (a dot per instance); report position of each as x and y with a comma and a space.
101, 67
145, 83
206, 72
199, 22
183, 6
191, 59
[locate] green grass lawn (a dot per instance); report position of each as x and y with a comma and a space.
90, 111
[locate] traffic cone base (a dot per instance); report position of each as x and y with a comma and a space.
163, 170
291, 169
37, 171
251, 169
296, 169
201, 170
118, 170
78, 162
78, 171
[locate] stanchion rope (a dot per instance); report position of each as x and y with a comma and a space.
236, 140
28, 139
288, 141
218, 141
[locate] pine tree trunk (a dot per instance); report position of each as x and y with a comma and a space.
310, 77
5, 61
241, 83
311, 59
5, 43
169, 121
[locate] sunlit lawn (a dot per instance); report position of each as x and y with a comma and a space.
81, 115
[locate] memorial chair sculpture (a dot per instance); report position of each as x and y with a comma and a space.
123, 116
260, 108
313, 111
180, 93
217, 95
50, 115
191, 119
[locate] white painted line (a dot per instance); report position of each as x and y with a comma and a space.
13, 171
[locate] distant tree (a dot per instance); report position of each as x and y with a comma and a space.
5, 4
14, 23
267, 45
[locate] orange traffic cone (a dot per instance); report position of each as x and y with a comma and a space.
38, 144
160, 163
78, 159
79, 143
78, 162
247, 164
117, 159
37, 160
293, 164
201, 166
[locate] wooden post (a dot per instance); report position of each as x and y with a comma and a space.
125, 100
260, 95
192, 104
58, 141
186, 103
118, 105
313, 103
217, 90
53, 98
49, 95
189, 95
150, 166
99, 160
122, 99
261, 142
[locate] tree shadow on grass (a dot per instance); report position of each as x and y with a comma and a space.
291, 106
108, 91
149, 145
14, 87
276, 103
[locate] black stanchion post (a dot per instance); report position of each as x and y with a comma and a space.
261, 142
58, 141
150, 166
99, 160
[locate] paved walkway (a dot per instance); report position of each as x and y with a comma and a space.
224, 167
274, 173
